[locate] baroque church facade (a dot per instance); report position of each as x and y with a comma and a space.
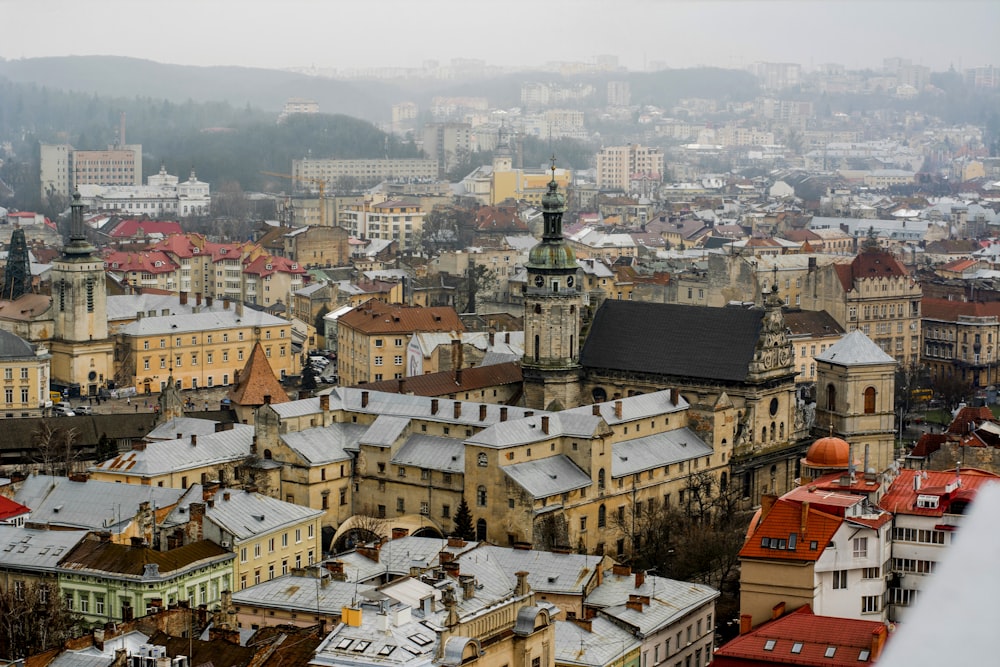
736, 355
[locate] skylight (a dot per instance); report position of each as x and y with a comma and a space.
797, 647
830, 650
344, 643
387, 649
420, 639
361, 645
863, 655
769, 645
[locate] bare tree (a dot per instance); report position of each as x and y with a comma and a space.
33, 618
54, 448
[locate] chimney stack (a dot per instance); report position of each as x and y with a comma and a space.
208, 300
434, 406
458, 409
746, 623
545, 424
673, 395
184, 298
596, 409
364, 399
640, 578
324, 402
194, 440
197, 299
503, 413
482, 412
778, 610
225, 303
618, 409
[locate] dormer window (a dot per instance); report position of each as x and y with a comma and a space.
223, 251
195, 251
267, 267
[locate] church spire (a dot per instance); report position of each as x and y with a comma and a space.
78, 246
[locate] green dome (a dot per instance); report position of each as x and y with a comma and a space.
553, 200
548, 255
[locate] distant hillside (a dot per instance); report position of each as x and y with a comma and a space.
133, 77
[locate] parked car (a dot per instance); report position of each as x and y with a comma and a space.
83, 410
62, 410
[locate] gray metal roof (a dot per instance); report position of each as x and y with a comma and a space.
548, 571
125, 306
245, 515
301, 593
164, 456
432, 452
91, 504
549, 476
670, 600
203, 321
325, 444
652, 451
523, 431
32, 550
604, 644
15, 347
182, 427
855, 349
385, 430
642, 406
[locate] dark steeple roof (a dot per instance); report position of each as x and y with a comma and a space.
671, 339
553, 252
78, 246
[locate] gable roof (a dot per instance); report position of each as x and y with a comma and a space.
663, 338
771, 539
379, 317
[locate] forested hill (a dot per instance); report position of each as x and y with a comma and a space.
266, 89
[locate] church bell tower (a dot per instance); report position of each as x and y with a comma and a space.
81, 349
552, 300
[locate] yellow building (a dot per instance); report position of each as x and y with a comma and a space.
202, 349
400, 220
25, 373
523, 185
372, 339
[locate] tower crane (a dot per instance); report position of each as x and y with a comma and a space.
318, 182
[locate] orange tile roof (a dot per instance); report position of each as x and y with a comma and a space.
257, 381
901, 498
784, 521
811, 635
379, 317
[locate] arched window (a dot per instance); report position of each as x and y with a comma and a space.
481, 530
763, 434
538, 309
481, 460
600, 479
481, 496
267, 454
870, 401
781, 431
599, 395
602, 516
831, 398
772, 430
536, 349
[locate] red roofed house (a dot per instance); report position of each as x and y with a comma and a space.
874, 293
147, 270
803, 638
928, 508
13, 513
269, 279
142, 230
818, 548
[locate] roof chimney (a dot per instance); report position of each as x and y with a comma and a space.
503, 413
197, 299
596, 409
401, 389
208, 301
225, 303
267, 399
766, 503
545, 424
778, 610
458, 409
184, 298
640, 578
878, 642
434, 406
482, 412
458, 376
364, 399
324, 402
194, 439
618, 409
492, 337
746, 623
673, 395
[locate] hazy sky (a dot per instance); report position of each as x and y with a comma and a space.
376, 33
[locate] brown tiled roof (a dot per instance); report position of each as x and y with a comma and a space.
868, 265
928, 444
257, 380
217, 652
948, 311
816, 322
444, 383
93, 554
380, 317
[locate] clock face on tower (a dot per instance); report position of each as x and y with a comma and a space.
539, 281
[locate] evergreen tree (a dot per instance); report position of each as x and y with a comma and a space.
463, 522
106, 448
308, 382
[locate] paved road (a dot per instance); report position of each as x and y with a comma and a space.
201, 399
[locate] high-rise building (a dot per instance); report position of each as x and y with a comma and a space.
619, 166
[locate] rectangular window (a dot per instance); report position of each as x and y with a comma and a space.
861, 547
870, 604
839, 579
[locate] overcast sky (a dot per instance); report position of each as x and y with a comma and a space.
348, 34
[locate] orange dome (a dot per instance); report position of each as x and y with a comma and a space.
829, 452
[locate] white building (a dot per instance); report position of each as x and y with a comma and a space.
163, 196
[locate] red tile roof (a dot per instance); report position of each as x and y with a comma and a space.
10, 509
869, 265
901, 498
127, 229
948, 311
379, 317
257, 381
928, 444
155, 261
267, 265
811, 637
783, 523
